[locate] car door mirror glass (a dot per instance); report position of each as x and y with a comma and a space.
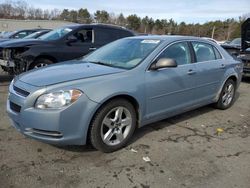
164, 63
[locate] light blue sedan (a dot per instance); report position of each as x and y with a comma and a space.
124, 85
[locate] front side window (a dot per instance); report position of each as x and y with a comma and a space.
123, 53
84, 35
179, 52
203, 51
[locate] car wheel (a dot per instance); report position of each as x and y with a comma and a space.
113, 125
40, 63
227, 95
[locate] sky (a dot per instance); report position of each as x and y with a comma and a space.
190, 11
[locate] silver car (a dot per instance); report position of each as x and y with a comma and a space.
124, 85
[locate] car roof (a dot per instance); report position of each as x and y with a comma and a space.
168, 37
75, 26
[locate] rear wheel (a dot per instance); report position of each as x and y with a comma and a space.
42, 62
227, 95
113, 125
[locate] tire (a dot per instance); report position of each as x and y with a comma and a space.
41, 62
107, 132
227, 97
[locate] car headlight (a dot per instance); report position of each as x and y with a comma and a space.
57, 99
12, 81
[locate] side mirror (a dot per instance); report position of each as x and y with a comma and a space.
164, 63
71, 39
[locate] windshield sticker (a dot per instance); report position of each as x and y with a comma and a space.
150, 41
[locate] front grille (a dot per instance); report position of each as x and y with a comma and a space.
14, 107
21, 91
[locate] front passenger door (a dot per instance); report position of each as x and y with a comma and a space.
83, 44
171, 90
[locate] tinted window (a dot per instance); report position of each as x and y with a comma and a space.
84, 35
124, 33
107, 35
179, 52
203, 51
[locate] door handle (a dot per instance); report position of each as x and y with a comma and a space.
92, 48
222, 66
191, 72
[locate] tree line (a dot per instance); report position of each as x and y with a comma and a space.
220, 30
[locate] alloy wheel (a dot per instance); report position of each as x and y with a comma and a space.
116, 126
228, 94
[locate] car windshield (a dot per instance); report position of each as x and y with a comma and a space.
56, 34
236, 41
124, 53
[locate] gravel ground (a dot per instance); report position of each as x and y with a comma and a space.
184, 151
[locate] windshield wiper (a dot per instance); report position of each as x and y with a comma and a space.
101, 63
107, 64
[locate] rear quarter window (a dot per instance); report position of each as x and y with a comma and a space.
217, 53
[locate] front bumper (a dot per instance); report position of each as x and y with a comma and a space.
66, 126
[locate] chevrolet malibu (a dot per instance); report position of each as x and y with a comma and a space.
124, 85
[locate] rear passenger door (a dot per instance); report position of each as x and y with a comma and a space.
210, 70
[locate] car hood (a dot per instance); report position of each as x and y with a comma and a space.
20, 43
66, 71
4, 40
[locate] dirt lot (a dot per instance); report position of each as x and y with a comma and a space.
185, 151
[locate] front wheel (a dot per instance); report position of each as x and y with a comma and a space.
227, 95
113, 125
40, 63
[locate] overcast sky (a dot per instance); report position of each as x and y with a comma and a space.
191, 11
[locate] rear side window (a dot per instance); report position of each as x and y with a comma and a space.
124, 33
179, 52
203, 51
107, 35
